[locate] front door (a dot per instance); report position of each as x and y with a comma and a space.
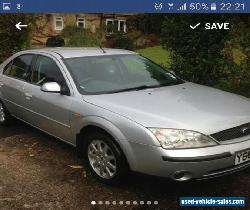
48, 111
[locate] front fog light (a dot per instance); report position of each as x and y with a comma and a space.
181, 139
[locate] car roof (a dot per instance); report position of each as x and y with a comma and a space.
80, 52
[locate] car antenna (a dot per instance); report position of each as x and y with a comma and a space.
102, 49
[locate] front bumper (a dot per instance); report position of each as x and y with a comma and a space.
185, 164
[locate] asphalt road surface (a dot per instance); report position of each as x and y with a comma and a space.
40, 172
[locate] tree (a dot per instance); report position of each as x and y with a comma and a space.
11, 39
146, 23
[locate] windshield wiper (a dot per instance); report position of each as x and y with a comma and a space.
141, 87
177, 82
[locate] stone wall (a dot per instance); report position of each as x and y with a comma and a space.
45, 26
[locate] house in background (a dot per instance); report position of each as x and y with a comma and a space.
52, 24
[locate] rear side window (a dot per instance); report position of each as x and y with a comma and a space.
7, 68
46, 70
20, 67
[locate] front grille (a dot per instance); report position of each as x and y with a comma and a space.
232, 133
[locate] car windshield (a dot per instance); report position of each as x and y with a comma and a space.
118, 73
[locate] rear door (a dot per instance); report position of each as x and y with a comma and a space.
48, 111
15, 75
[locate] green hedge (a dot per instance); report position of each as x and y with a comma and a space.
77, 37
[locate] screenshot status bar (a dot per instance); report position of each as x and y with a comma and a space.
149, 6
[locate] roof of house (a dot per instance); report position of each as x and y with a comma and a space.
81, 52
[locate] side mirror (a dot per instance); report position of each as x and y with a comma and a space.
51, 87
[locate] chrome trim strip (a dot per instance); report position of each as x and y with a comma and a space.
198, 158
48, 118
226, 171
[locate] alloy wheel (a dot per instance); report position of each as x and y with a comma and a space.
102, 159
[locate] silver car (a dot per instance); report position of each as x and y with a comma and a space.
124, 113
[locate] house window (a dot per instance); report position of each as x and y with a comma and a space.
122, 26
109, 26
58, 23
80, 22
113, 25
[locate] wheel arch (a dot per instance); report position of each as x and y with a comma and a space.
97, 124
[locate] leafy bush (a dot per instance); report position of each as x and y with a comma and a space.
196, 54
217, 58
78, 37
122, 41
236, 59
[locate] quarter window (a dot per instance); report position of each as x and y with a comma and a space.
46, 70
19, 67
7, 68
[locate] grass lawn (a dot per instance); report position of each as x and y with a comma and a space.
157, 54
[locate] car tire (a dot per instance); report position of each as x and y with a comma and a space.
104, 158
5, 117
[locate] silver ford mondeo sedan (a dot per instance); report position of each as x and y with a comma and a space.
125, 113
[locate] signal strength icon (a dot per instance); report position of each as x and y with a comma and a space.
183, 7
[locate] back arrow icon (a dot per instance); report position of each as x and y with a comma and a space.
19, 26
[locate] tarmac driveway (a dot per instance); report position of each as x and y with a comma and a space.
40, 172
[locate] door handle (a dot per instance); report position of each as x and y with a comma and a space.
28, 96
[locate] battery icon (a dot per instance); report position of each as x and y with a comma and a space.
213, 6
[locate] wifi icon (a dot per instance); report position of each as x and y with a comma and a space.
170, 6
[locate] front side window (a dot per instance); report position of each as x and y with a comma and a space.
116, 73
46, 70
20, 67
58, 23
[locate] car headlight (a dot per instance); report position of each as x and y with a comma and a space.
181, 139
